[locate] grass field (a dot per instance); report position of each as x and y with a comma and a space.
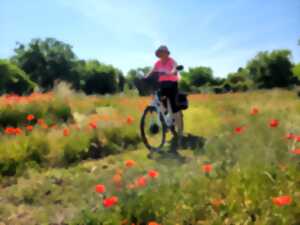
56, 148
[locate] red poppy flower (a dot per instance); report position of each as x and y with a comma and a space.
153, 174
30, 117
9, 130
217, 202
41, 122
100, 188
207, 168
282, 200
129, 120
109, 202
295, 151
93, 125
141, 181
239, 130
153, 223
297, 138
117, 179
129, 163
290, 136
254, 111
274, 123
29, 128
18, 131
119, 171
66, 132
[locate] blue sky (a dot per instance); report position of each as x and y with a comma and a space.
217, 33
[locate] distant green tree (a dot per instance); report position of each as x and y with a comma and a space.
184, 83
79, 73
217, 81
296, 70
199, 76
101, 78
121, 81
13, 79
241, 75
271, 69
46, 61
238, 81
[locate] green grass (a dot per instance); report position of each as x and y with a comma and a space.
249, 168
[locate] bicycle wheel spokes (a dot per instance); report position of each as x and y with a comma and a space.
152, 129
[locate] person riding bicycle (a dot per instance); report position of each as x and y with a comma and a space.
168, 81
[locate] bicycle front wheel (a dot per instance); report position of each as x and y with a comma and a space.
153, 129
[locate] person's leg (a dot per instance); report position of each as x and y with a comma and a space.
177, 114
163, 99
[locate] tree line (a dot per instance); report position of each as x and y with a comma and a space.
40, 64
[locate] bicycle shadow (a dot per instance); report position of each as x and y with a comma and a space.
172, 152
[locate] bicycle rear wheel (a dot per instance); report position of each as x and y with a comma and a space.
153, 129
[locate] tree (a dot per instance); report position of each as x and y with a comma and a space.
101, 78
296, 70
199, 76
121, 81
13, 79
46, 61
241, 75
238, 81
184, 83
274, 69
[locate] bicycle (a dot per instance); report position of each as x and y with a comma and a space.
161, 120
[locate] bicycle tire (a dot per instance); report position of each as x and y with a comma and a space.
142, 130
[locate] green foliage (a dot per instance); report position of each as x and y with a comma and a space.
238, 81
46, 61
60, 111
13, 79
25, 151
199, 76
184, 84
102, 79
76, 148
296, 70
271, 69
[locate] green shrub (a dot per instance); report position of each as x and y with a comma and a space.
17, 152
76, 148
61, 111
13, 79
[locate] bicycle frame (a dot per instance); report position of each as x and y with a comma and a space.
159, 106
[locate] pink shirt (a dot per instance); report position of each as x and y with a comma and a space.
168, 68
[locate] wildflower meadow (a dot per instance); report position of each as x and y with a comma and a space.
68, 158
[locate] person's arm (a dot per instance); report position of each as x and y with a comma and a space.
152, 70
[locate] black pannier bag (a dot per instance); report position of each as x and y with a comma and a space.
182, 101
